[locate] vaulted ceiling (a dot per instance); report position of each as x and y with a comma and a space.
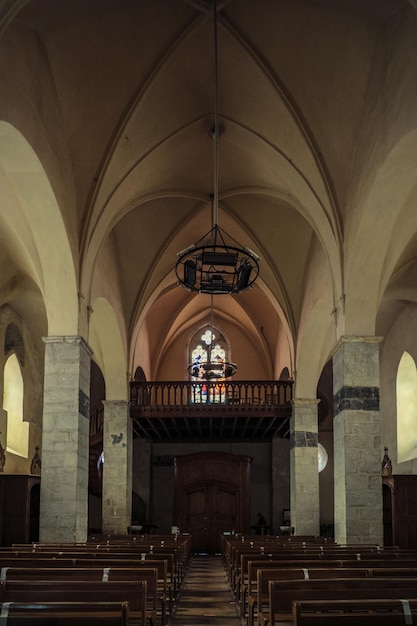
117, 99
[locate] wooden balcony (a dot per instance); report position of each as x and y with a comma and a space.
211, 411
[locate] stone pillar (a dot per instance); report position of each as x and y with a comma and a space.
117, 467
65, 440
305, 503
357, 441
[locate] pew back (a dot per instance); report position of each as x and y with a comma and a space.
65, 614
156, 601
36, 591
282, 593
381, 612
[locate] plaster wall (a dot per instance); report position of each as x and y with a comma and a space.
244, 352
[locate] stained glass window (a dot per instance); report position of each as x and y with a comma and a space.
208, 355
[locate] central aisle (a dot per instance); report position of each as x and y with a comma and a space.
206, 597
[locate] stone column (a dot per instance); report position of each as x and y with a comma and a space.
117, 467
357, 441
65, 440
305, 503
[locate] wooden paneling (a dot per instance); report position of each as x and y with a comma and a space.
19, 502
403, 509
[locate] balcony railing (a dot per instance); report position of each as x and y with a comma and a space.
211, 411
198, 397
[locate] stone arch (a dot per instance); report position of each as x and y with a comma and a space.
33, 232
139, 375
105, 339
285, 374
318, 325
379, 244
13, 342
97, 388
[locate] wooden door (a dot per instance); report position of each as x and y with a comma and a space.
211, 496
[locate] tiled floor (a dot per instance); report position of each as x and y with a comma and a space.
206, 596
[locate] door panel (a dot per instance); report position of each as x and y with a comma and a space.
225, 506
211, 496
196, 504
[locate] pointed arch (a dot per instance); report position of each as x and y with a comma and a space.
108, 347
406, 385
33, 231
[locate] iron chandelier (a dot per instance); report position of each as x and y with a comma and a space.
216, 263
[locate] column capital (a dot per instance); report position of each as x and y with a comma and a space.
348, 339
69, 339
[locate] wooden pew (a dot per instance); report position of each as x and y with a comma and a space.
65, 614
156, 600
248, 578
240, 553
175, 571
282, 593
328, 551
250, 564
258, 598
380, 612
175, 548
165, 566
30, 561
176, 564
378, 567
179, 554
133, 592
411, 572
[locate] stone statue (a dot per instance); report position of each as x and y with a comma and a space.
386, 469
36, 465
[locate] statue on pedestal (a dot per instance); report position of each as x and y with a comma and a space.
386, 469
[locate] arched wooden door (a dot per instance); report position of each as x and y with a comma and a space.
211, 495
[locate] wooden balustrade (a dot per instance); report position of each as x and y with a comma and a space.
185, 410
177, 394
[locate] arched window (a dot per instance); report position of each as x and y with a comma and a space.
17, 430
208, 355
406, 409
210, 348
